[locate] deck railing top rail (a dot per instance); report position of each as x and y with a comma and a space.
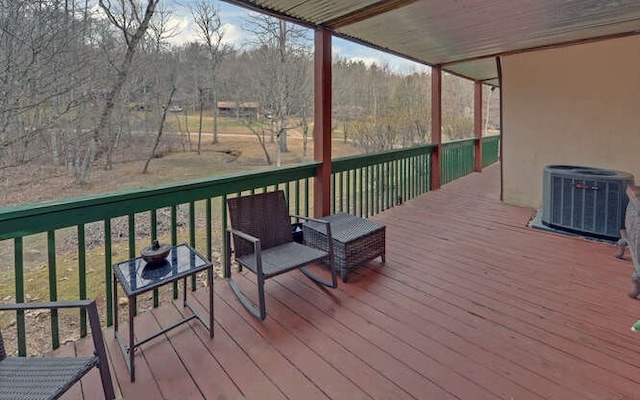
365, 160
34, 218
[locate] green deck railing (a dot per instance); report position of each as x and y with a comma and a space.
201, 203
457, 159
107, 228
365, 185
490, 150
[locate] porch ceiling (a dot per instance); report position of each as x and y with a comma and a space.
464, 36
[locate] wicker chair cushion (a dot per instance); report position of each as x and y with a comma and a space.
40, 378
283, 258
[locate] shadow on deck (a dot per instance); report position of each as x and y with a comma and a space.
471, 304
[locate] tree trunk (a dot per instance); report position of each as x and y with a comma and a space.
186, 128
305, 138
263, 144
344, 131
215, 116
201, 100
85, 170
165, 109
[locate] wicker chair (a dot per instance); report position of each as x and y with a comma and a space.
50, 377
263, 243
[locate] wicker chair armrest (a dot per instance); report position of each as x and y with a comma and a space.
257, 248
243, 235
322, 221
89, 305
327, 225
94, 323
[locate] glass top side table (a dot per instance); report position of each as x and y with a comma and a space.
136, 276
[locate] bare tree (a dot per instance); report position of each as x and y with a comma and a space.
43, 63
457, 107
257, 128
278, 44
302, 98
165, 109
164, 76
161, 29
207, 19
127, 18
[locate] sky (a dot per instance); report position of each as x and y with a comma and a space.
234, 17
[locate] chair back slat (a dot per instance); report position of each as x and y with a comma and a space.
265, 216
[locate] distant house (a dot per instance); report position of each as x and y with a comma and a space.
246, 109
348, 112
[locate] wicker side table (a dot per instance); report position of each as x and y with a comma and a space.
356, 240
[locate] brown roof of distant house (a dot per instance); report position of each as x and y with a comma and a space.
235, 104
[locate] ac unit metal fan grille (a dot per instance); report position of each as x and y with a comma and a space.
577, 201
587, 206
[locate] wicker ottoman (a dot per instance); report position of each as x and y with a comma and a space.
355, 240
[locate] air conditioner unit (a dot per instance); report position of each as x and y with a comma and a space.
585, 200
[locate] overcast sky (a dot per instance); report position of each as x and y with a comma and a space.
234, 17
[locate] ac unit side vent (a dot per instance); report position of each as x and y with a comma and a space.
585, 200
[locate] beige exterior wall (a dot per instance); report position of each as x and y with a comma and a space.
577, 105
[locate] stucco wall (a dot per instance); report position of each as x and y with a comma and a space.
576, 105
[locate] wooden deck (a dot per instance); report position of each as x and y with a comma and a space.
471, 304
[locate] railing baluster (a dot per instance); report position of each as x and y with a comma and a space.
132, 235
18, 257
417, 188
174, 241
192, 238
348, 188
341, 190
376, 179
412, 177
108, 272
82, 277
209, 228
307, 203
53, 287
132, 249
366, 187
154, 236
225, 243
333, 193
397, 173
286, 193
392, 184
360, 189
405, 179
298, 194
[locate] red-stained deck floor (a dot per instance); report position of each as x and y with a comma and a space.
471, 304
